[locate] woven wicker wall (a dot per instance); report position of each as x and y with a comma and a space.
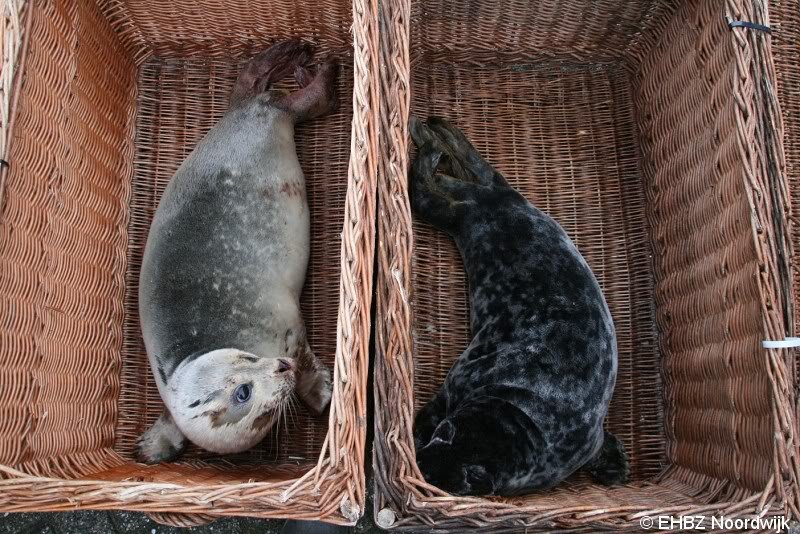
62, 244
205, 28
785, 17
580, 29
709, 303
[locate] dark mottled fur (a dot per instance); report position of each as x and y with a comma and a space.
523, 406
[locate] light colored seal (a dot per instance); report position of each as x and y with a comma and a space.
224, 266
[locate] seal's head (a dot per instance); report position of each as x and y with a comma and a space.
226, 400
481, 448
457, 462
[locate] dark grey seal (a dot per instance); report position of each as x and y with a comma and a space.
523, 406
224, 266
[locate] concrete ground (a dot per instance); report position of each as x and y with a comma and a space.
91, 522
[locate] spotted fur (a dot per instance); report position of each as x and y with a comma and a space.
523, 406
224, 267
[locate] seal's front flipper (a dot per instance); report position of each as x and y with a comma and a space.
610, 465
162, 442
314, 383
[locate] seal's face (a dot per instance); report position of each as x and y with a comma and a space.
226, 400
456, 461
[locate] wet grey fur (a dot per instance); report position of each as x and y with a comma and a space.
225, 262
214, 268
523, 407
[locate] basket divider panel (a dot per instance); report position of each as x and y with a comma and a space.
393, 452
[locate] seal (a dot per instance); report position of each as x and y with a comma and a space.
224, 266
523, 406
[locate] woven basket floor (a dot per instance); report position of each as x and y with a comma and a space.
564, 136
178, 101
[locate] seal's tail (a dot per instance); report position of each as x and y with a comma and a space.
271, 65
610, 465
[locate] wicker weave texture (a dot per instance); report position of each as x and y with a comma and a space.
186, 28
105, 116
62, 244
660, 154
785, 17
579, 29
709, 301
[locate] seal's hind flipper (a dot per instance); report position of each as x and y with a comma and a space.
317, 95
610, 465
313, 382
471, 165
429, 141
271, 65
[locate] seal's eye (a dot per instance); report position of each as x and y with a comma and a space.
242, 393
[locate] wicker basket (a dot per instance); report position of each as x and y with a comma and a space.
651, 131
110, 97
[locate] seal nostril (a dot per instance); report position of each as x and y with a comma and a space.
284, 365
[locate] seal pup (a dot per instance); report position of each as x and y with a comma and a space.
523, 406
224, 265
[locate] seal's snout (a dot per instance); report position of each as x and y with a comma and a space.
284, 366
